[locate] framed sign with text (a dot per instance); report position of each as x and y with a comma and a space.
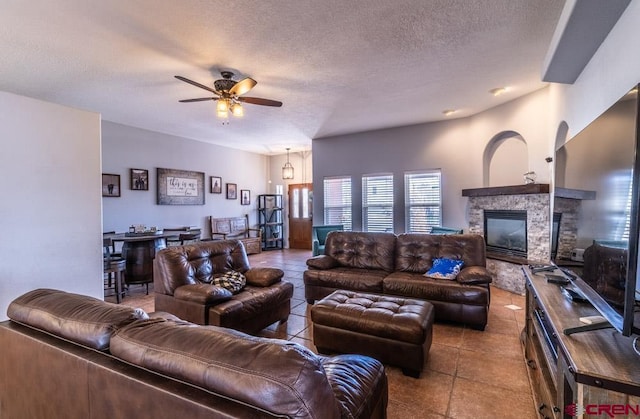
180, 187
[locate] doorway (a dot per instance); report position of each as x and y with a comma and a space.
300, 215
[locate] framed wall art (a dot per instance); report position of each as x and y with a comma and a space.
180, 187
232, 191
139, 179
110, 185
245, 197
216, 184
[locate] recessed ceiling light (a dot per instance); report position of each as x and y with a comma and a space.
448, 112
498, 91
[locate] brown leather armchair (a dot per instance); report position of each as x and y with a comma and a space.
182, 277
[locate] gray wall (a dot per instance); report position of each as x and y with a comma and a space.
125, 147
50, 211
455, 147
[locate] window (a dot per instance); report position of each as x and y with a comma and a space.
337, 201
377, 203
423, 201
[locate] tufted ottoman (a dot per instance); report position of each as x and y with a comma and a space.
394, 330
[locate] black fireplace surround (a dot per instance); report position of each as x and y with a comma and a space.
505, 232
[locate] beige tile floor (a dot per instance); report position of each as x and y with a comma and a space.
469, 374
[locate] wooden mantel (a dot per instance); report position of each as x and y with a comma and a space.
532, 188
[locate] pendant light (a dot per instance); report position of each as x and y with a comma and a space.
287, 169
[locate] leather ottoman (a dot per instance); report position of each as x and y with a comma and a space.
394, 330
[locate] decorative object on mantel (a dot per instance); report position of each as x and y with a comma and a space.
529, 178
180, 187
287, 169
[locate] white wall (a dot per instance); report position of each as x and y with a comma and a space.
125, 147
50, 211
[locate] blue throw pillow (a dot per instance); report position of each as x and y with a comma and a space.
444, 268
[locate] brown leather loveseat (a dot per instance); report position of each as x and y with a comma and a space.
71, 356
182, 281
385, 263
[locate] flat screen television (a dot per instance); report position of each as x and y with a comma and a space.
597, 182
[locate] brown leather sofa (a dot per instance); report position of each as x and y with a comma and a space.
182, 278
72, 356
385, 263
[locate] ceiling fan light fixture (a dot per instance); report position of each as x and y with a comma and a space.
287, 169
237, 110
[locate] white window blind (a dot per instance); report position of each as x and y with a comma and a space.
337, 201
377, 203
423, 201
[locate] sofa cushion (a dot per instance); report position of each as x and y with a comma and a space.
197, 263
362, 250
417, 286
202, 293
358, 382
365, 280
79, 318
278, 376
445, 268
322, 262
474, 275
230, 280
263, 277
415, 252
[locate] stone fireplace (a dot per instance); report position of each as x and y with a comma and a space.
533, 201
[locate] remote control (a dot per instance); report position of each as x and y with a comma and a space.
549, 268
557, 279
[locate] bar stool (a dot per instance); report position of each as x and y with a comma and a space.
113, 265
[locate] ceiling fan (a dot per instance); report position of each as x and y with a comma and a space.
229, 94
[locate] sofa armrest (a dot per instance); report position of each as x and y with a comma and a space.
474, 275
322, 262
263, 277
255, 230
202, 293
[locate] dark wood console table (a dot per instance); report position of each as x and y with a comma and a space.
594, 370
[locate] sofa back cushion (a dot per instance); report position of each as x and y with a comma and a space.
79, 318
278, 376
197, 263
415, 252
362, 250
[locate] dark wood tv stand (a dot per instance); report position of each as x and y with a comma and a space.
595, 369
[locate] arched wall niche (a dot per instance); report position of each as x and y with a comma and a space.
505, 160
560, 160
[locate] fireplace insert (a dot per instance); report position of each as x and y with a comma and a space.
505, 232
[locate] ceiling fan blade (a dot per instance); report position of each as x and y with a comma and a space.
243, 86
260, 101
195, 83
200, 99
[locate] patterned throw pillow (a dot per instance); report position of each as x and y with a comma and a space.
231, 280
444, 268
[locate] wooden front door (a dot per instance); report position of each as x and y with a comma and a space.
300, 215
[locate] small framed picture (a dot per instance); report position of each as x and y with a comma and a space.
110, 185
245, 197
216, 184
139, 180
232, 191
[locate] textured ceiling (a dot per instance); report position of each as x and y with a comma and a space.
338, 66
